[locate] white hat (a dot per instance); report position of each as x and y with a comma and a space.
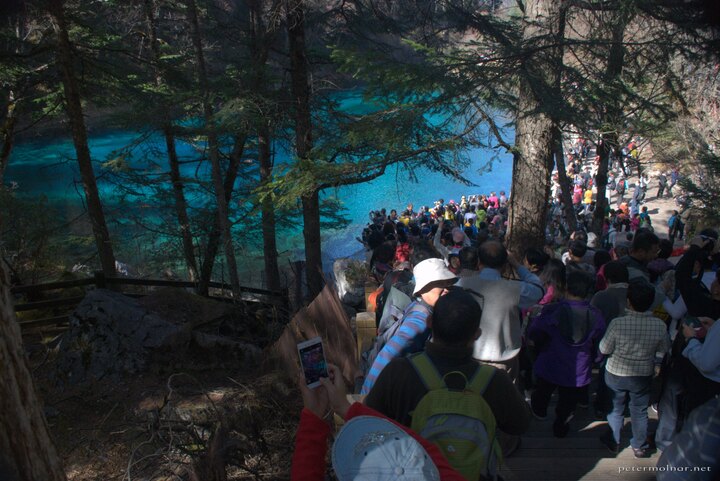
431, 270
373, 448
592, 240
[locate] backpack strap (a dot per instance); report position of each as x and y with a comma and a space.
480, 381
432, 379
427, 371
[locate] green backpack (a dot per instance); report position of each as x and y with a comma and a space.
459, 422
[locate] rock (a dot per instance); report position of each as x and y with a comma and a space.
111, 334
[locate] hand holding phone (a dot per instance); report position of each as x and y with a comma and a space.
312, 359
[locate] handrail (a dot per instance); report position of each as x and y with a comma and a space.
130, 281
265, 296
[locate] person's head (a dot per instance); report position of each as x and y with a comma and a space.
620, 250
644, 246
458, 236
384, 253
601, 258
665, 249
535, 259
432, 280
641, 295
492, 254
579, 235
456, 318
422, 251
715, 287
592, 239
469, 258
371, 447
616, 272
553, 274
577, 249
578, 283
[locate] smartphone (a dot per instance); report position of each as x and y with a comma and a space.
312, 359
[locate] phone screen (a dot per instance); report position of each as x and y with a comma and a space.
312, 358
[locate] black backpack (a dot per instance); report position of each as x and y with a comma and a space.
400, 280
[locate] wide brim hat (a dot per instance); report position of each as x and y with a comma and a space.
431, 270
373, 448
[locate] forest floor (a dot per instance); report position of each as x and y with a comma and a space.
161, 425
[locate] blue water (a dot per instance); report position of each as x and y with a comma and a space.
47, 166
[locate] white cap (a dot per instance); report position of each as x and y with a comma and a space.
373, 448
431, 270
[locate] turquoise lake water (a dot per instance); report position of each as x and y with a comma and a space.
47, 166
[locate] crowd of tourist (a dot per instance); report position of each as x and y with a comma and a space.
457, 312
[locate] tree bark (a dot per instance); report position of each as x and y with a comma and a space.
25, 441
533, 157
175, 178
259, 41
214, 150
565, 186
612, 118
272, 272
8, 133
213, 240
74, 111
303, 143
180, 204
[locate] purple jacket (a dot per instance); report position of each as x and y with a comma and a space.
567, 334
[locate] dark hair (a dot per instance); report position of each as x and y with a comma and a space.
578, 248
621, 250
616, 271
384, 253
580, 235
601, 258
402, 236
389, 229
492, 254
553, 274
579, 283
641, 294
644, 240
469, 258
666, 248
456, 317
422, 251
537, 257
374, 239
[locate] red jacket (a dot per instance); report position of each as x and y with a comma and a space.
308, 462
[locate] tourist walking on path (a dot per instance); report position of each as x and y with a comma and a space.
662, 184
631, 342
566, 335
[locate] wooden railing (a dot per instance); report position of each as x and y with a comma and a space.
277, 299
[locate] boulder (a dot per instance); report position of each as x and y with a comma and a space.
112, 334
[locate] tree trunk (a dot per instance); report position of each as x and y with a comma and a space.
25, 443
303, 143
177, 184
272, 273
181, 204
8, 133
74, 110
213, 240
214, 150
612, 118
601, 178
533, 158
565, 186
